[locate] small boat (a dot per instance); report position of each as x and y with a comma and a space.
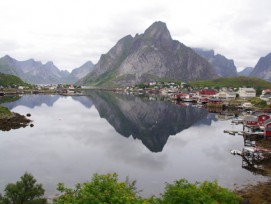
236, 152
2, 93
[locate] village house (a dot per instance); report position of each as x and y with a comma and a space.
262, 117
207, 93
266, 97
226, 95
256, 120
266, 91
247, 92
251, 121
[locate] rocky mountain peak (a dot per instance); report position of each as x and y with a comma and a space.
263, 68
159, 31
49, 63
8, 59
205, 53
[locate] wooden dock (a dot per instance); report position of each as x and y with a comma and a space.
246, 133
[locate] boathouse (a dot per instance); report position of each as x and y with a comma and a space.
251, 121
262, 117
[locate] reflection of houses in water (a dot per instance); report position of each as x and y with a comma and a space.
225, 115
254, 158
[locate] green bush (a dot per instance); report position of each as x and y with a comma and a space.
25, 191
101, 189
207, 192
257, 102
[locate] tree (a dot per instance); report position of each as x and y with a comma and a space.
181, 191
101, 189
25, 191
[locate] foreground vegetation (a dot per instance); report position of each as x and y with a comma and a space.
234, 82
108, 189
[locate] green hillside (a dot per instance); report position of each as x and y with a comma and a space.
9, 80
233, 82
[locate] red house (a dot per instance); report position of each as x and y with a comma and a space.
262, 117
267, 128
208, 92
203, 100
251, 121
215, 101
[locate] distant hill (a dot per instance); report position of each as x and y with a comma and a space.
80, 72
34, 72
224, 67
234, 82
8, 80
245, 72
151, 56
262, 69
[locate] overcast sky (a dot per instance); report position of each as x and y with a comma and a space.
71, 32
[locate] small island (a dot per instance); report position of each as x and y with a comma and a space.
10, 120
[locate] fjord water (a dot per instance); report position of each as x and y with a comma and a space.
150, 141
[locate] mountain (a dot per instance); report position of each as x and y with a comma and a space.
150, 56
245, 72
79, 72
145, 120
263, 68
32, 71
224, 67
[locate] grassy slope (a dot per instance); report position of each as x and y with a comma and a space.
234, 82
4, 112
7, 80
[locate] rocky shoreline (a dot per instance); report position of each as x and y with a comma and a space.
254, 194
13, 121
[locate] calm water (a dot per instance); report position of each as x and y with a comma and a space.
151, 141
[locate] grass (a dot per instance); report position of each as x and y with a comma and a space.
234, 82
10, 80
4, 112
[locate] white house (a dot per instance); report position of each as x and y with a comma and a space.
226, 95
247, 92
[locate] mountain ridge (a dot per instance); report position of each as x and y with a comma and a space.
263, 68
35, 72
224, 67
150, 56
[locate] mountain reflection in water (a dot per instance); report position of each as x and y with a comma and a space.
152, 122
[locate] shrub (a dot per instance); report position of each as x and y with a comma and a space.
24, 191
207, 192
101, 189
